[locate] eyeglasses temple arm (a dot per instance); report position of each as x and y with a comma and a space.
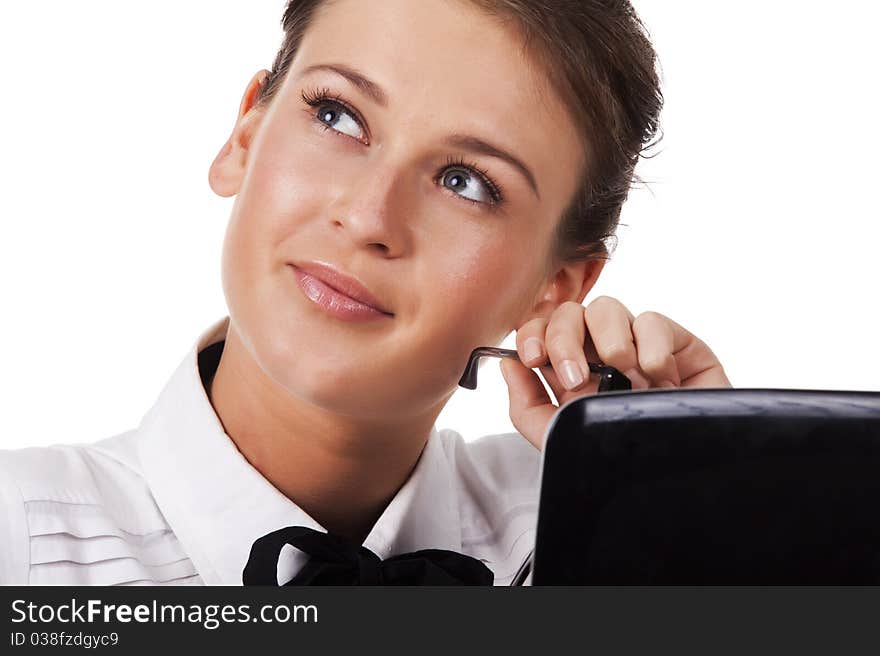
611, 379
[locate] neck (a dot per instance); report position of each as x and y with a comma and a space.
342, 471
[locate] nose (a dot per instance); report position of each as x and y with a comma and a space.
372, 205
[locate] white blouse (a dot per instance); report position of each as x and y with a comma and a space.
173, 501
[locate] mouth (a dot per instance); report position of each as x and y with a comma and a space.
338, 294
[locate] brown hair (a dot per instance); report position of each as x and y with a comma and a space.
598, 58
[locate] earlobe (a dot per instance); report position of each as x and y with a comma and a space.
227, 170
221, 174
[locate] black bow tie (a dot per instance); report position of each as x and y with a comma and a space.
333, 560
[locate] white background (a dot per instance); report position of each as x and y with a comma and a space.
758, 230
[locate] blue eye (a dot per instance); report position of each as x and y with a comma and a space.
332, 113
461, 174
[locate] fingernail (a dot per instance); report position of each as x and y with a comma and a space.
571, 374
532, 349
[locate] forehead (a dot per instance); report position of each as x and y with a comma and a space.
447, 67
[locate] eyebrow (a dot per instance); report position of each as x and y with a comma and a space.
464, 141
358, 79
477, 145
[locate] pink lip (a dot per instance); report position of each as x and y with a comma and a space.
340, 295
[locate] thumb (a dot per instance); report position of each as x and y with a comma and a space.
531, 408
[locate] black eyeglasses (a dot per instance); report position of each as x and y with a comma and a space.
611, 379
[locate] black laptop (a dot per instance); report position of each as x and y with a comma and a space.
711, 486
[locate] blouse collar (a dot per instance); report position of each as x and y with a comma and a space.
217, 503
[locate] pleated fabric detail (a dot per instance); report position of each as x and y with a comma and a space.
79, 544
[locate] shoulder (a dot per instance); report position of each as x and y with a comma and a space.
504, 462
498, 481
80, 514
101, 473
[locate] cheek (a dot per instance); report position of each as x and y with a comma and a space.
269, 208
477, 291
279, 187
277, 195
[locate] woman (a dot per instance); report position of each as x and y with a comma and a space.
411, 181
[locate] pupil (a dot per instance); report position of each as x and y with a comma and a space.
456, 180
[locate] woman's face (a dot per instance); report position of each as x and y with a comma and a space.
370, 189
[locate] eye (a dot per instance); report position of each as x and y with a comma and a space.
467, 177
335, 114
461, 176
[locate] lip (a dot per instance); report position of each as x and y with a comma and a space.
337, 292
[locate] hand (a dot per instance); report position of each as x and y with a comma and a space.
651, 350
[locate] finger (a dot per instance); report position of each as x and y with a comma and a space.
609, 323
530, 342
657, 342
530, 406
714, 376
700, 367
564, 341
672, 356
562, 395
553, 382
534, 331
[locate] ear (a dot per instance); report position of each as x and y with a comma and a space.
571, 282
227, 169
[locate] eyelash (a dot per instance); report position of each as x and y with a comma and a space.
317, 97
